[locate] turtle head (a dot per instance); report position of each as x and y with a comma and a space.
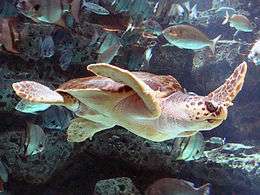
207, 112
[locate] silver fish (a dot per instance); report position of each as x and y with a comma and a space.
171, 186
95, 8
254, 54
108, 55
239, 22
35, 140
191, 148
188, 37
65, 59
217, 140
30, 107
55, 118
110, 39
222, 11
47, 47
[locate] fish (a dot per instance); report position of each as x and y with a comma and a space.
47, 47
110, 39
35, 139
189, 37
108, 55
95, 8
50, 11
3, 176
65, 59
119, 22
172, 186
222, 11
8, 34
30, 107
236, 146
239, 22
254, 54
191, 148
151, 26
217, 140
55, 117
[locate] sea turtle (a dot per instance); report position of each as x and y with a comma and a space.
155, 107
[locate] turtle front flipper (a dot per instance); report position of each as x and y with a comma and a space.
81, 129
124, 76
227, 92
36, 92
35, 95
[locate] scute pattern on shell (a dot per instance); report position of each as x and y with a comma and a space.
95, 82
162, 83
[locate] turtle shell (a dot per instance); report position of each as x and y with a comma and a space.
165, 84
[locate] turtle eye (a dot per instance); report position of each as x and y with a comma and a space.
210, 107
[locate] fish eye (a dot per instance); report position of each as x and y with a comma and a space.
210, 107
37, 7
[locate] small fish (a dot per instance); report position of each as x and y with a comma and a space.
236, 146
176, 10
114, 22
188, 37
172, 186
56, 117
8, 34
50, 11
65, 59
35, 139
108, 55
110, 39
148, 54
152, 27
3, 176
191, 148
254, 54
47, 47
222, 11
30, 107
217, 140
95, 8
239, 22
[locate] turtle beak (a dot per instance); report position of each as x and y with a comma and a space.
227, 92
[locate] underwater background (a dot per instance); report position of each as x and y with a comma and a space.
53, 41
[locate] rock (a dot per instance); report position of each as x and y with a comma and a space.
116, 186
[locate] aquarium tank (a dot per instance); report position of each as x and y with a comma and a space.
129, 97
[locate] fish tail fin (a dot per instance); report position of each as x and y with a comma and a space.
194, 11
226, 18
205, 189
214, 42
187, 5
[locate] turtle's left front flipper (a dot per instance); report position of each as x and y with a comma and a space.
126, 77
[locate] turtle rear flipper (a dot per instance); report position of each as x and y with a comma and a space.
36, 92
124, 76
81, 129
